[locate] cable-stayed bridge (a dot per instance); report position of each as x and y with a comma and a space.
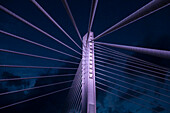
97, 62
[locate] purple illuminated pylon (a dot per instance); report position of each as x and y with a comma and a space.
88, 76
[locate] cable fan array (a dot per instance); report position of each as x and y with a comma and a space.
128, 77
125, 77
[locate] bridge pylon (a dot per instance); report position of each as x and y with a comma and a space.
88, 75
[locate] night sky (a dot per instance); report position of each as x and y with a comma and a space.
151, 32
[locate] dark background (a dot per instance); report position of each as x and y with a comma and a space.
151, 32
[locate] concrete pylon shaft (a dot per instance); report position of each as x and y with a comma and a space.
88, 76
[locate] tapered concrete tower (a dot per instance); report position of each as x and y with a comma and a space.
88, 76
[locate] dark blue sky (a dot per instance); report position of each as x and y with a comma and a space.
151, 31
